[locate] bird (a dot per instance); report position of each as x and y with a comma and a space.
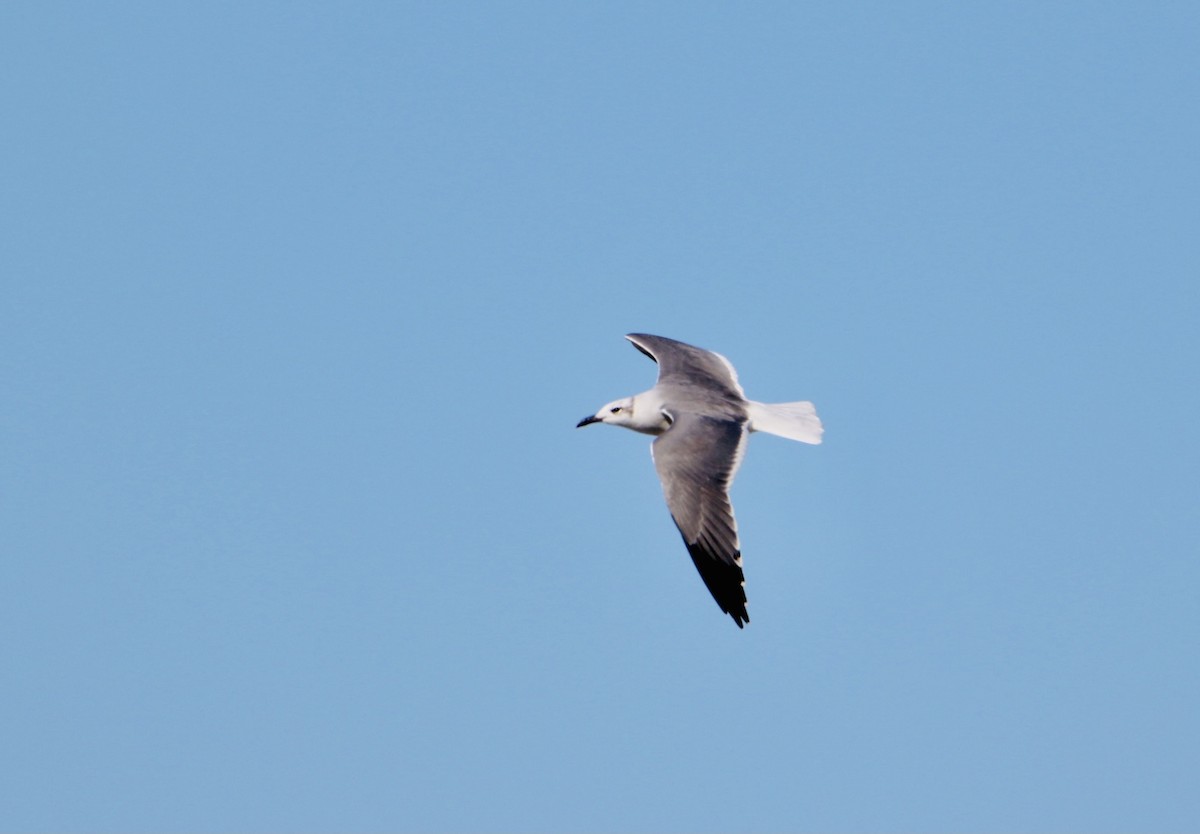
700, 419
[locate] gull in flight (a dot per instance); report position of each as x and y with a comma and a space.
701, 418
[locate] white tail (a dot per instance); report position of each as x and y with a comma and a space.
795, 421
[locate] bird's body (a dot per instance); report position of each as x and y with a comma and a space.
701, 418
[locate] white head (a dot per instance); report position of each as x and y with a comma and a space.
615, 413
642, 412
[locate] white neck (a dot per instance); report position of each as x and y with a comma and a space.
647, 416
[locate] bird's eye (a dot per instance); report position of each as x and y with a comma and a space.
615, 409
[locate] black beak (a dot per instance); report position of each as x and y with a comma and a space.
587, 421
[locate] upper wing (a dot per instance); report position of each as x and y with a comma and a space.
696, 460
679, 362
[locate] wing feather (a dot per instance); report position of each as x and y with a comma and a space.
696, 460
683, 363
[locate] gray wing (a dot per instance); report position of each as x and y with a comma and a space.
696, 460
678, 362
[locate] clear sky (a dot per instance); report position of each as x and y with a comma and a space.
300, 304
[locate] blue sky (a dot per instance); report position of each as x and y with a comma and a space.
301, 303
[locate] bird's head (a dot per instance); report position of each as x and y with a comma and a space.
616, 413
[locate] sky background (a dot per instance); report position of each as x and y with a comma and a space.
300, 304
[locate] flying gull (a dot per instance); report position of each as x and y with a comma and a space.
701, 418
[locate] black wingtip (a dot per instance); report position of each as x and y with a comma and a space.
739, 615
633, 340
724, 580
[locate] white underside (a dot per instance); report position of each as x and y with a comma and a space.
795, 421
